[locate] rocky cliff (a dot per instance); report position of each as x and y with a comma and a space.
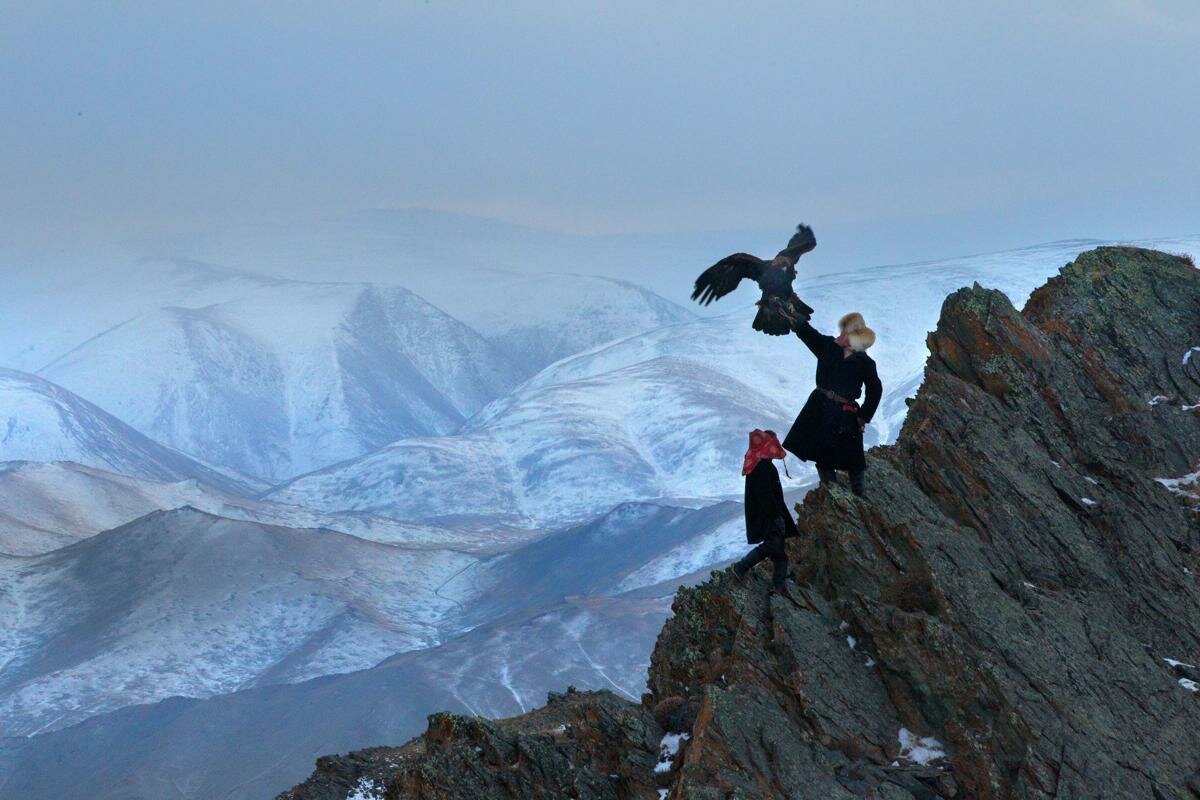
1012, 612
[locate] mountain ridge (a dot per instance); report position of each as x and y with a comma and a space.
47, 422
277, 381
51, 504
496, 658
185, 602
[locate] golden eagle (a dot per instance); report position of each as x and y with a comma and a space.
779, 310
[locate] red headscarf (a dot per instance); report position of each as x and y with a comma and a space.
763, 444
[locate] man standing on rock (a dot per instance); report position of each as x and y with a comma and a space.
829, 428
768, 521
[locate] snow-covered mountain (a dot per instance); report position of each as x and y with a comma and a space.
185, 603
556, 455
539, 319
50, 505
289, 377
252, 744
600, 556
40, 421
276, 377
662, 414
552, 615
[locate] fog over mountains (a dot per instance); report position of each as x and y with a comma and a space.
299, 475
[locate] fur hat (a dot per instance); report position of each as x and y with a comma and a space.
852, 322
861, 337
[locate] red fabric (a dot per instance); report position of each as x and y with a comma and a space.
763, 444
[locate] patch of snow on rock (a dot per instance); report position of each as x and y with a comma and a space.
1185, 485
668, 749
366, 789
922, 750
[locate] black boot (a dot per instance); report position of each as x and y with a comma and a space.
739, 571
742, 567
856, 482
779, 575
826, 475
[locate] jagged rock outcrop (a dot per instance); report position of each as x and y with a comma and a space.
579, 745
1011, 613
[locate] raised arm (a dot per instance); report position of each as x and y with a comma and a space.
874, 392
817, 342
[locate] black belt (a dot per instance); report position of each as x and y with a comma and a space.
837, 397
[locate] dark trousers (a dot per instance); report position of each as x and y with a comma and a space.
828, 475
772, 548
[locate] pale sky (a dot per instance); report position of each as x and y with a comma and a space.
1020, 121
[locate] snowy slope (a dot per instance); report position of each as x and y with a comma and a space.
254, 744
538, 319
277, 377
663, 414
50, 505
557, 455
289, 377
40, 421
186, 603
548, 619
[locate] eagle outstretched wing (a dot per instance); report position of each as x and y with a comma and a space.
723, 277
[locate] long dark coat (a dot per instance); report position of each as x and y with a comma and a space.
765, 504
825, 431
